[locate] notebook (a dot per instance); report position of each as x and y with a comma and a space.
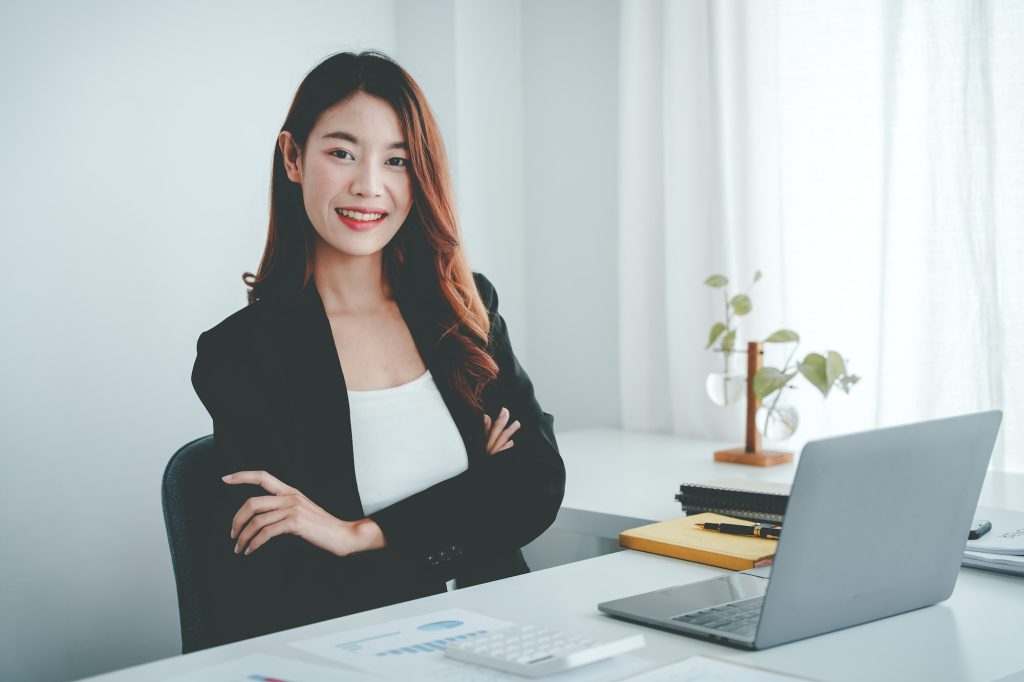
742, 498
682, 539
1002, 548
1006, 536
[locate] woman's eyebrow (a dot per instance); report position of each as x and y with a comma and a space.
352, 138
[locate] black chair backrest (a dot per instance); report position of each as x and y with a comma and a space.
188, 486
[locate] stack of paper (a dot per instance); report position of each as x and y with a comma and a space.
1002, 548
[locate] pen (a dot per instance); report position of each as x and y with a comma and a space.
736, 529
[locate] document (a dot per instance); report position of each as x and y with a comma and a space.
707, 669
1001, 563
413, 649
265, 668
1006, 536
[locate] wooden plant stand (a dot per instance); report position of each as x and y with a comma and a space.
751, 453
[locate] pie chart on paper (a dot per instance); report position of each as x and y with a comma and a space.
440, 625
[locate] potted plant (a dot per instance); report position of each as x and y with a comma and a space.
775, 420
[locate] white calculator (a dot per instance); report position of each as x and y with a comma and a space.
535, 652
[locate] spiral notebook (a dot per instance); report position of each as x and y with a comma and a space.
743, 498
1002, 548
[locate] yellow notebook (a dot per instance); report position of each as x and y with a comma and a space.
682, 539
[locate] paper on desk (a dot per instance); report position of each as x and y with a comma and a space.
413, 648
1003, 559
707, 669
1006, 536
1002, 563
266, 668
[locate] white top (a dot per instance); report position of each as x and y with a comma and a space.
404, 440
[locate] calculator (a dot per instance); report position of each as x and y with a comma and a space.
535, 652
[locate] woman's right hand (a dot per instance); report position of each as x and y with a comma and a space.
497, 435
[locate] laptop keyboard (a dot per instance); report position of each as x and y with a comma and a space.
738, 618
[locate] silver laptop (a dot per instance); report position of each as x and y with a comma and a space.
875, 526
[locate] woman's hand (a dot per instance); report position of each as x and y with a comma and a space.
497, 435
286, 511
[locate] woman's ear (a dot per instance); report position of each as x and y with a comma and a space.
292, 156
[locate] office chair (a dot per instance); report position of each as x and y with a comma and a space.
188, 485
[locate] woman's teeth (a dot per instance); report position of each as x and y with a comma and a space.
355, 215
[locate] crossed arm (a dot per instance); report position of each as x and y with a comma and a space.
286, 511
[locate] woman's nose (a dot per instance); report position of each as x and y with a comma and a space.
367, 181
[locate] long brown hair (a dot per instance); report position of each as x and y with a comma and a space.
425, 255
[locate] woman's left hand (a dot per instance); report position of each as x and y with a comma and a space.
286, 511
499, 437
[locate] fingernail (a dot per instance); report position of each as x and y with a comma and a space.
248, 549
504, 410
232, 534
236, 549
224, 478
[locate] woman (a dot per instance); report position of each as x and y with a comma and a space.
376, 435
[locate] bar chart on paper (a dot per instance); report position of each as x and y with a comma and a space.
413, 648
392, 647
431, 631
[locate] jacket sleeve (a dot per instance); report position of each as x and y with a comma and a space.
503, 502
246, 595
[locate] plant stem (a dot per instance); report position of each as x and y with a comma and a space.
778, 393
728, 328
768, 414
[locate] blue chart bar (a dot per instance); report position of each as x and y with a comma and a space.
441, 625
429, 647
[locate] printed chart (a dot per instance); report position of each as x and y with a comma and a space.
409, 645
413, 648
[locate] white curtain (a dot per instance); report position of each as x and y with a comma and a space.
869, 159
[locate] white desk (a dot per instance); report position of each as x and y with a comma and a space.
638, 474
972, 636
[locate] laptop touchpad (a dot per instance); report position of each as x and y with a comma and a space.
700, 595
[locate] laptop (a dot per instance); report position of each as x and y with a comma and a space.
876, 525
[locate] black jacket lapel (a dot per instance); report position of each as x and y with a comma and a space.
314, 401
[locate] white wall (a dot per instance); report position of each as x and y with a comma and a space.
137, 142
571, 149
137, 149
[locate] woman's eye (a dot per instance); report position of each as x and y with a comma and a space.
340, 151
402, 163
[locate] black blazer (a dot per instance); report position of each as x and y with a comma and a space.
270, 378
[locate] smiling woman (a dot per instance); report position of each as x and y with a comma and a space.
358, 157
364, 402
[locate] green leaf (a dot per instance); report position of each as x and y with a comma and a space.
835, 367
768, 380
716, 331
783, 336
757, 275
813, 369
729, 340
741, 304
717, 281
